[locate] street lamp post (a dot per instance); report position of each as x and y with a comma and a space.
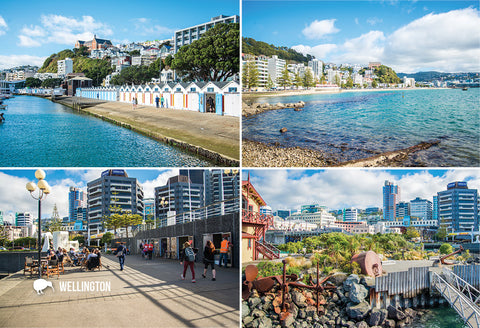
163, 203
43, 191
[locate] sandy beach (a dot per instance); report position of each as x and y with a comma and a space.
208, 135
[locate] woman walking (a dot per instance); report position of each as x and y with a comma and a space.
208, 259
187, 256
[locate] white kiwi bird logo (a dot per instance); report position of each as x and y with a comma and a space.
40, 284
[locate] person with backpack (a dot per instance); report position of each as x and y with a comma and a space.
121, 251
208, 259
187, 258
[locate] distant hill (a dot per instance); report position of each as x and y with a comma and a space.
254, 47
424, 76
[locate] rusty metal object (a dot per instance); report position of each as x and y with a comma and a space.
443, 258
251, 272
369, 262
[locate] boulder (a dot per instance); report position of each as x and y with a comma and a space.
253, 302
338, 278
347, 284
262, 322
358, 311
377, 317
310, 311
283, 130
410, 313
299, 299
302, 314
247, 320
245, 310
358, 293
297, 109
289, 320
389, 324
395, 314
257, 105
258, 313
362, 324
368, 281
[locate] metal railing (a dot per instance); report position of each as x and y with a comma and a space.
469, 311
462, 286
268, 250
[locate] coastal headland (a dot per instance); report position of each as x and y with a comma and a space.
207, 135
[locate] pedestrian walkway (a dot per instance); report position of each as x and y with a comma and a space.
145, 294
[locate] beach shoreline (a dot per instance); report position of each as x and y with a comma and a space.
209, 136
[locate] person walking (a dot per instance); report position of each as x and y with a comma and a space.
187, 258
208, 259
224, 252
141, 247
121, 251
162, 101
157, 100
150, 249
134, 103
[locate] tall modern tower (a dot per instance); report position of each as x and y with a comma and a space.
76, 198
458, 207
113, 188
421, 208
391, 197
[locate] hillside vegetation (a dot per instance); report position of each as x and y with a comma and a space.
254, 47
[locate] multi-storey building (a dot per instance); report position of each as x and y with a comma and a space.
283, 213
275, 69
261, 64
391, 197
178, 196
317, 68
421, 208
402, 209
190, 34
94, 44
113, 189
1, 218
64, 66
266, 210
350, 215
458, 207
24, 219
77, 198
321, 218
435, 208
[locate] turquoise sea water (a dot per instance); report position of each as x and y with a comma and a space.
353, 125
38, 132
442, 317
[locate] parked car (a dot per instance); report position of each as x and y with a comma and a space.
2, 248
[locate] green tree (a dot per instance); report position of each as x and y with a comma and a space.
349, 83
54, 225
106, 238
374, 84
51, 83
446, 249
411, 233
168, 61
337, 80
213, 57
130, 220
3, 235
80, 239
81, 52
31, 82
284, 79
134, 75
297, 80
308, 81
250, 75
134, 53
270, 84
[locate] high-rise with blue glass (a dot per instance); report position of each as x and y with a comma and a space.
391, 197
458, 207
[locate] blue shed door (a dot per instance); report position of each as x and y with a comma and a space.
201, 107
218, 104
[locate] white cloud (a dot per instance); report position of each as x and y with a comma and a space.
19, 60
161, 180
62, 30
320, 51
145, 26
339, 188
374, 21
367, 47
3, 26
447, 42
319, 29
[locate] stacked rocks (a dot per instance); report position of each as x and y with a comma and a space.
347, 306
256, 108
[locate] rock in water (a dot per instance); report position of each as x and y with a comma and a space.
377, 317
395, 314
283, 130
358, 293
358, 311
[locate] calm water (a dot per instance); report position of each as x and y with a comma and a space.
39, 132
353, 125
442, 317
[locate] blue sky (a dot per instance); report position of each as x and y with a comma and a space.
32, 30
407, 35
361, 188
15, 198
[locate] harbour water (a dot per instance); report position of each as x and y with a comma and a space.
441, 317
38, 132
352, 125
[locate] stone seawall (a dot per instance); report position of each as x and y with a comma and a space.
257, 108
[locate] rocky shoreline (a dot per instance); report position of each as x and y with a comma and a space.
347, 306
257, 108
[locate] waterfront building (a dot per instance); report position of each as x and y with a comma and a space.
77, 198
190, 34
178, 196
283, 213
349, 226
421, 208
435, 208
275, 69
94, 44
372, 210
408, 82
458, 207
224, 185
113, 188
402, 209
261, 64
64, 66
350, 215
317, 68
78, 82
391, 197
321, 218
24, 219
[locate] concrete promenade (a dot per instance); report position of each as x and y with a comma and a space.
209, 132
145, 294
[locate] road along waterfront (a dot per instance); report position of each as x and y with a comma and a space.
38, 132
